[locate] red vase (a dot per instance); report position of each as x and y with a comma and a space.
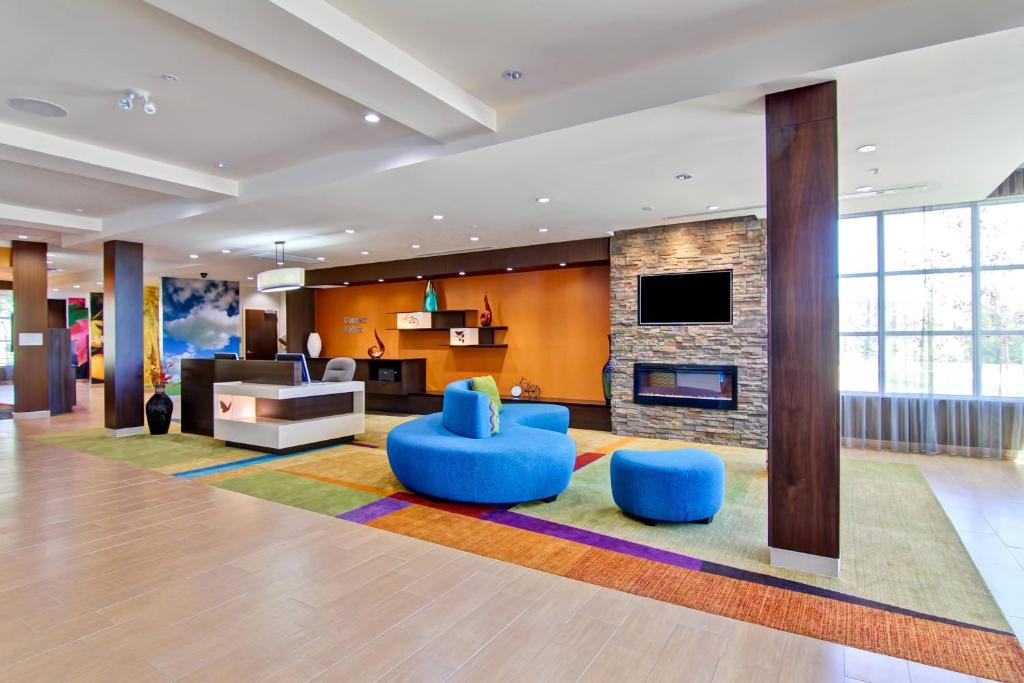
377, 350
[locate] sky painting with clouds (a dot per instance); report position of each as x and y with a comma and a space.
200, 317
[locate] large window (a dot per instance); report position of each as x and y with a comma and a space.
6, 335
931, 301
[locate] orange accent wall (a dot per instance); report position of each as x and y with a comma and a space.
558, 322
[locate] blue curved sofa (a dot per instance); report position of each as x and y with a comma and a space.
453, 455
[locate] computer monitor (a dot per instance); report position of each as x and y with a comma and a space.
296, 357
225, 355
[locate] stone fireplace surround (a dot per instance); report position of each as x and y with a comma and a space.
738, 244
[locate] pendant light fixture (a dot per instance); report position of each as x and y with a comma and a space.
280, 279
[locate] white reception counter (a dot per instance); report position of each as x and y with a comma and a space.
275, 418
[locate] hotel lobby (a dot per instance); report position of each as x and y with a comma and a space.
650, 341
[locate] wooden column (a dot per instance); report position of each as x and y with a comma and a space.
300, 314
803, 329
122, 338
31, 378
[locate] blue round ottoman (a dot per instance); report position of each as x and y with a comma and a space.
685, 485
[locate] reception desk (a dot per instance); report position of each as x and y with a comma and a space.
278, 418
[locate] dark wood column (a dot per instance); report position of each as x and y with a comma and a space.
803, 329
122, 338
300, 317
31, 377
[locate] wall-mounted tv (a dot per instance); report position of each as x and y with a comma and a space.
703, 298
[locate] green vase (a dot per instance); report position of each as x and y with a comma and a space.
430, 297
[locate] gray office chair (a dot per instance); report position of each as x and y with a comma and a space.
340, 370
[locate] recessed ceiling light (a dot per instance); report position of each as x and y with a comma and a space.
415, 246
683, 176
865, 188
542, 229
225, 251
873, 171
438, 217
345, 283
22, 237
79, 210
462, 272
349, 231
474, 238
647, 208
371, 117
365, 253
170, 78
509, 269
54, 290
380, 279
419, 277
100, 284
280, 263
49, 263
609, 232
223, 165
321, 258
512, 75
249, 277
714, 207
193, 255
867, 148
34, 105
562, 264
77, 286
543, 200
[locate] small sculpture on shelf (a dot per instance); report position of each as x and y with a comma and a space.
525, 390
487, 317
377, 350
429, 297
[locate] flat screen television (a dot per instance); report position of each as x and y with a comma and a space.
685, 298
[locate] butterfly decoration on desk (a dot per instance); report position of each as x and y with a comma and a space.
224, 407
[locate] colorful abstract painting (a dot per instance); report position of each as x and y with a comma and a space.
96, 337
78, 323
200, 317
151, 334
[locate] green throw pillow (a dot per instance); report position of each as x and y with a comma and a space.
487, 385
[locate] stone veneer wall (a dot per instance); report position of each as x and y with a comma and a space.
737, 244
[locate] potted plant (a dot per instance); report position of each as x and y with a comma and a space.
159, 407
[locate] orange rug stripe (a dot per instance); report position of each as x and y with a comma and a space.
949, 646
618, 443
340, 482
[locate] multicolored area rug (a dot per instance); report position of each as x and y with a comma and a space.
908, 587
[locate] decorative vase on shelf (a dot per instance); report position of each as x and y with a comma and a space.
487, 317
429, 297
606, 375
159, 408
314, 344
377, 350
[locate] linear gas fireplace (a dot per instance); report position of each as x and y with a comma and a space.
699, 386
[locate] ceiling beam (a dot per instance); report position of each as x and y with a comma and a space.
317, 41
33, 148
29, 217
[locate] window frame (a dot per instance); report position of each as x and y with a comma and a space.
975, 269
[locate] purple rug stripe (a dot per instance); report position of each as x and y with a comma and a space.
374, 510
362, 445
596, 540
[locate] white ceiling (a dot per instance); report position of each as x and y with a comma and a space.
618, 98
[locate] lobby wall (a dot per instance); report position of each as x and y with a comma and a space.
737, 244
558, 328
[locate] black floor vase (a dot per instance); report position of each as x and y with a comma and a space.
159, 408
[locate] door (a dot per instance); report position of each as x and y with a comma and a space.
260, 334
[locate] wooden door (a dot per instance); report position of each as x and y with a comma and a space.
260, 334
